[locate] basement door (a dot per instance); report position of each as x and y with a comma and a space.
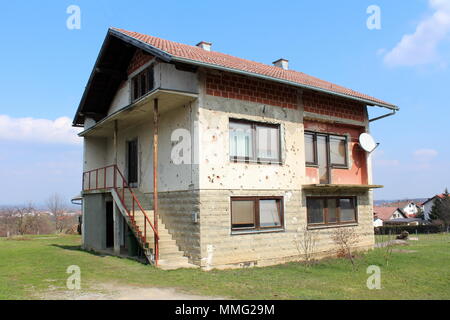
132, 163
109, 224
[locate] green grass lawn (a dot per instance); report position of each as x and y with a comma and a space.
34, 264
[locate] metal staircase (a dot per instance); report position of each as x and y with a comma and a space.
158, 245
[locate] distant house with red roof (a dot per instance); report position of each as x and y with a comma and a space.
428, 205
383, 214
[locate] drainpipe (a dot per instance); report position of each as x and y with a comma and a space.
155, 176
383, 116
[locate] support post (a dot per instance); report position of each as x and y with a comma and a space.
116, 129
155, 176
115, 138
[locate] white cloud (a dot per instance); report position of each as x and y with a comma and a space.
379, 160
420, 47
38, 130
425, 154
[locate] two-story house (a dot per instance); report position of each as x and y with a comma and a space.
200, 158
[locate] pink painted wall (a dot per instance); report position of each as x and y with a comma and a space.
357, 172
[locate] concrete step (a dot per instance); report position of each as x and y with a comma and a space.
173, 264
171, 257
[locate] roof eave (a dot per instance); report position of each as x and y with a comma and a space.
127, 39
86, 88
141, 45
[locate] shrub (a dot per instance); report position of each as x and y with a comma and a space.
428, 228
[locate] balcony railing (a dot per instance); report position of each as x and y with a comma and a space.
110, 177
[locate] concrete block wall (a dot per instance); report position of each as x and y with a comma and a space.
94, 221
222, 249
176, 209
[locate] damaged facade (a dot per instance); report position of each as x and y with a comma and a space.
247, 155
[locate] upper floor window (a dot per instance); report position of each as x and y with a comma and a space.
334, 148
325, 151
142, 83
254, 142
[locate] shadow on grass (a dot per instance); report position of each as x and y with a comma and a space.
102, 253
73, 248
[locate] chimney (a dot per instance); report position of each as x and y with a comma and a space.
204, 45
282, 63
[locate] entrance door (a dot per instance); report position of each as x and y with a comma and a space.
109, 224
132, 163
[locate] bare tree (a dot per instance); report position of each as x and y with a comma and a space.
305, 242
22, 214
36, 222
345, 238
7, 222
55, 205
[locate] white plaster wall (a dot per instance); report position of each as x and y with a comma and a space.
88, 122
172, 177
94, 153
121, 99
410, 209
216, 169
168, 77
94, 157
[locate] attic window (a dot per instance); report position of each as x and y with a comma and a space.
142, 83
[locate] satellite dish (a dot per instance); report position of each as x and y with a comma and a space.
367, 142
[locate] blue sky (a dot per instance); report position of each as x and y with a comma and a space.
45, 66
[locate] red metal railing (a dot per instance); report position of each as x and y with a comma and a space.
108, 178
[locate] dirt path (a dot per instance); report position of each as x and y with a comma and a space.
110, 291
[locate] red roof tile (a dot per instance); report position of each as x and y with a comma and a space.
214, 58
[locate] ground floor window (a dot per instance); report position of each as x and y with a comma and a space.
256, 213
331, 210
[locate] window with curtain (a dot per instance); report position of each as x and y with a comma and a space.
254, 142
256, 213
241, 140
